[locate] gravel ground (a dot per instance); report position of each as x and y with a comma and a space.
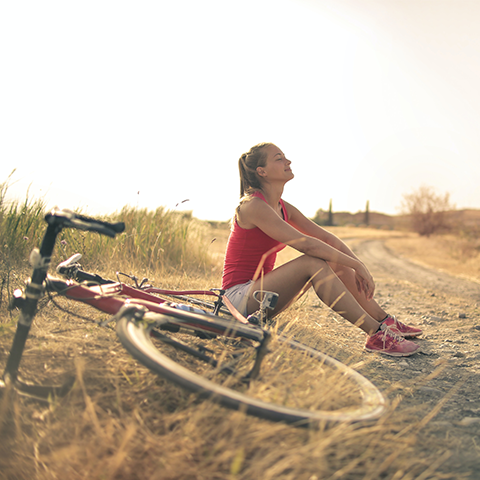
440, 384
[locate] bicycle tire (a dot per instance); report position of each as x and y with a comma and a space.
135, 334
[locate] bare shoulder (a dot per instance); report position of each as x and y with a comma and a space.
248, 211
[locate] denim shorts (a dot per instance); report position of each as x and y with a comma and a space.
238, 295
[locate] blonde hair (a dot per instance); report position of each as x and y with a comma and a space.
247, 167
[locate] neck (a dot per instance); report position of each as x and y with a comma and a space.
272, 193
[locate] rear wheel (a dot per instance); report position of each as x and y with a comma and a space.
245, 367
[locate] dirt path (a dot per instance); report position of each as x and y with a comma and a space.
382, 261
446, 308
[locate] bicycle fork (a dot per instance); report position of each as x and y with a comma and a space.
28, 308
27, 303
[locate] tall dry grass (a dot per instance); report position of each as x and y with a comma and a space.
155, 243
20, 225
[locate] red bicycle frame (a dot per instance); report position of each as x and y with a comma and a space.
111, 297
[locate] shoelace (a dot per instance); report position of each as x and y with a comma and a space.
396, 323
387, 330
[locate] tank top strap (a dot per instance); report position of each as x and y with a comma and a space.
284, 210
282, 204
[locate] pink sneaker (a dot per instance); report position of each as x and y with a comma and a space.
389, 342
404, 330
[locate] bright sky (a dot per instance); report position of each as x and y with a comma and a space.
109, 103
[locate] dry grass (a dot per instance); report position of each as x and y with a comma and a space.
122, 422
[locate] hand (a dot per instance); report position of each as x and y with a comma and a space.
364, 281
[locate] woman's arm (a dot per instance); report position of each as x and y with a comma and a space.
308, 227
310, 241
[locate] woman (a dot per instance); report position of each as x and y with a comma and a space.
264, 224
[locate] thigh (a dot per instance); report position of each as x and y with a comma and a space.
290, 281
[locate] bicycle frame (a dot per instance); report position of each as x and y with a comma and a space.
108, 298
111, 298
71, 269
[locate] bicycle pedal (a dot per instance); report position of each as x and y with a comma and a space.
254, 319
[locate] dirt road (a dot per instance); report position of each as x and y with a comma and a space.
383, 261
447, 309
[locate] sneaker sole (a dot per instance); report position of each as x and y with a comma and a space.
392, 354
411, 335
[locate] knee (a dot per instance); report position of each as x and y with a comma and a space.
341, 270
315, 265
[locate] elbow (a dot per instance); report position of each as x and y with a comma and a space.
304, 245
310, 250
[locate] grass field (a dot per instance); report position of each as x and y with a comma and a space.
122, 422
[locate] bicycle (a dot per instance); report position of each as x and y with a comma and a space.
225, 359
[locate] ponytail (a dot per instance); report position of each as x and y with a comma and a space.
247, 167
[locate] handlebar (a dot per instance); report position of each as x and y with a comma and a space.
68, 219
56, 221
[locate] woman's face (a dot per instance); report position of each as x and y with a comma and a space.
277, 166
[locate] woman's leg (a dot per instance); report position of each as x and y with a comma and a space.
292, 278
347, 276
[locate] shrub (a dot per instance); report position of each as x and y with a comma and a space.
427, 210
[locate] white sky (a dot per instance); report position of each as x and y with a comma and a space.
148, 103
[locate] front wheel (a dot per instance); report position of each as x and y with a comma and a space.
244, 367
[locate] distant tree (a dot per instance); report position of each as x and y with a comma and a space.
330, 215
320, 217
367, 213
323, 217
427, 210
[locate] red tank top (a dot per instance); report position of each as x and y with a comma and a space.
245, 248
